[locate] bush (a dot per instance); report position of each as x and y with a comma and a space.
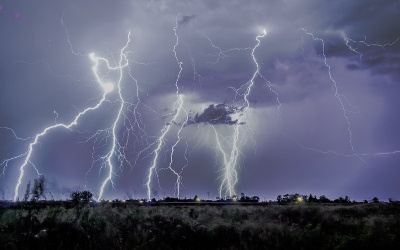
81, 196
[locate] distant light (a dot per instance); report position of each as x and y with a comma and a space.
141, 201
123, 201
234, 199
299, 199
197, 199
109, 201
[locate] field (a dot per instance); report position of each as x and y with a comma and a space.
200, 226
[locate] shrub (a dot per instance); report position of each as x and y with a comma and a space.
81, 196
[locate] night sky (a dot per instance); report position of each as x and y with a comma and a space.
320, 115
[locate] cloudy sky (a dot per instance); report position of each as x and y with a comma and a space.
210, 97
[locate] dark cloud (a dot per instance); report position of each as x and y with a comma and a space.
378, 61
378, 21
215, 114
186, 19
353, 66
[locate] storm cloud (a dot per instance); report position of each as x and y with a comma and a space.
215, 114
186, 19
322, 112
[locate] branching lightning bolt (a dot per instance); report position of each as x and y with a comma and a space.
230, 175
336, 93
178, 105
123, 62
229, 147
107, 88
346, 106
178, 174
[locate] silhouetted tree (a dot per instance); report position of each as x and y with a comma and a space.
171, 199
27, 191
81, 196
324, 199
375, 200
291, 198
312, 199
346, 199
286, 198
244, 198
38, 188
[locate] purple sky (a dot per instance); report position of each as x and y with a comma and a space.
321, 116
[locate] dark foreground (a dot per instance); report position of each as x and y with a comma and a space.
185, 226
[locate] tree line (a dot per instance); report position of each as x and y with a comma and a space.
298, 198
37, 192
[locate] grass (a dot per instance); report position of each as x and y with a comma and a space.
306, 226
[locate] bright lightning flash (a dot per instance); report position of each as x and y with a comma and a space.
123, 62
178, 106
228, 147
107, 88
230, 175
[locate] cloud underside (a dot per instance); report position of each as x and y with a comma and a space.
216, 114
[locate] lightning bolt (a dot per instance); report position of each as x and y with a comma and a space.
68, 38
348, 40
5, 162
336, 93
107, 88
355, 50
343, 101
230, 162
383, 46
123, 62
178, 175
229, 177
178, 104
221, 54
229, 147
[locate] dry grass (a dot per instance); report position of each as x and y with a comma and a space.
200, 227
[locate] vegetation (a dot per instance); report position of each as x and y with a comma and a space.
294, 221
265, 226
37, 191
81, 196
